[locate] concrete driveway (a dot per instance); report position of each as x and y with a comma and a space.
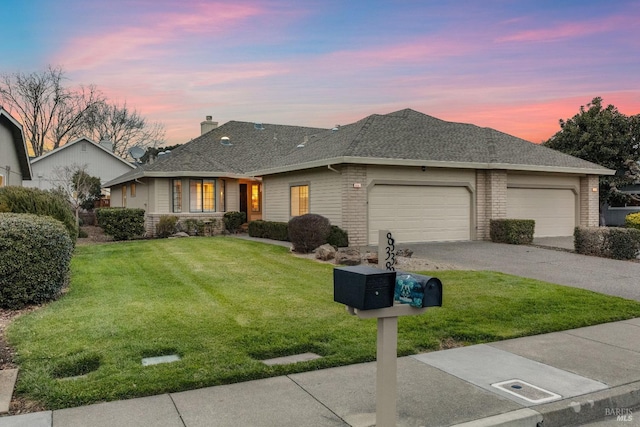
607, 276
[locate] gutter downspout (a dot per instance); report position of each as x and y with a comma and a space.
332, 169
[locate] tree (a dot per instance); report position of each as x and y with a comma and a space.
123, 127
50, 113
608, 138
152, 152
80, 188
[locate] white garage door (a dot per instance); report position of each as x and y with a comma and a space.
420, 213
554, 210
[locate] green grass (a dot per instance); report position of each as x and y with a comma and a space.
224, 304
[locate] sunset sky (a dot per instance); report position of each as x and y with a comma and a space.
516, 66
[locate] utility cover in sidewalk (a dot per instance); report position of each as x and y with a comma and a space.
160, 359
526, 391
304, 357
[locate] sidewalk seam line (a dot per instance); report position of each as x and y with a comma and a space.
177, 410
316, 399
599, 342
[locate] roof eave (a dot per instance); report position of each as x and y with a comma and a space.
177, 174
430, 163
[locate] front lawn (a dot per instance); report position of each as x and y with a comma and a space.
224, 304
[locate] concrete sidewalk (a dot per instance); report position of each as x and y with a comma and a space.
565, 378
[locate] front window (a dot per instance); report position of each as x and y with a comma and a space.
299, 200
202, 195
1, 180
256, 197
221, 187
177, 195
133, 189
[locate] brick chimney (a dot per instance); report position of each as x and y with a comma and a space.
208, 125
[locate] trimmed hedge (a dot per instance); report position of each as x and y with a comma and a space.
269, 230
121, 223
338, 237
607, 242
234, 220
308, 231
512, 231
38, 202
36, 254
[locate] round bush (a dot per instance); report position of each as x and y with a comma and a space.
36, 253
35, 201
307, 232
166, 226
632, 220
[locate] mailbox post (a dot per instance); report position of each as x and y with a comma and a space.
387, 358
369, 293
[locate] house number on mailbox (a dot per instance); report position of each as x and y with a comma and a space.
390, 253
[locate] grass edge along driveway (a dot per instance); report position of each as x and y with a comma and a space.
225, 304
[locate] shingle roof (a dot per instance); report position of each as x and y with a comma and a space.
395, 138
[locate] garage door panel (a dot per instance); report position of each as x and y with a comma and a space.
420, 213
553, 210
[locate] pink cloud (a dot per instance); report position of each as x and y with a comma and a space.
570, 30
154, 35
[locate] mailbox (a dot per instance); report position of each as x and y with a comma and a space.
364, 288
418, 290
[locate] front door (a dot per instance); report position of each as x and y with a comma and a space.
243, 200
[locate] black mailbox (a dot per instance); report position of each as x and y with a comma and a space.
364, 288
412, 288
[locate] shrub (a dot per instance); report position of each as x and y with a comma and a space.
82, 234
36, 254
307, 232
589, 240
234, 220
121, 223
338, 237
166, 226
191, 226
34, 201
632, 220
623, 243
269, 230
512, 231
608, 242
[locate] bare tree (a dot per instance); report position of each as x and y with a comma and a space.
50, 113
77, 185
123, 127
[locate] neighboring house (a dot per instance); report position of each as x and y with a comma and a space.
615, 214
423, 178
98, 158
14, 157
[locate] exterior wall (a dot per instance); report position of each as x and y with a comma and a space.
491, 199
9, 162
589, 201
116, 197
232, 195
99, 163
325, 197
354, 204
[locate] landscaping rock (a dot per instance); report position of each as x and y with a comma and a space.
348, 256
325, 252
180, 234
371, 257
404, 252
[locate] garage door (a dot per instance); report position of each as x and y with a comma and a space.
554, 210
420, 213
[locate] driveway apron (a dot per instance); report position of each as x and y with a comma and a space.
607, 276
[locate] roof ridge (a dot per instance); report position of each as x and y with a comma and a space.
358, 138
